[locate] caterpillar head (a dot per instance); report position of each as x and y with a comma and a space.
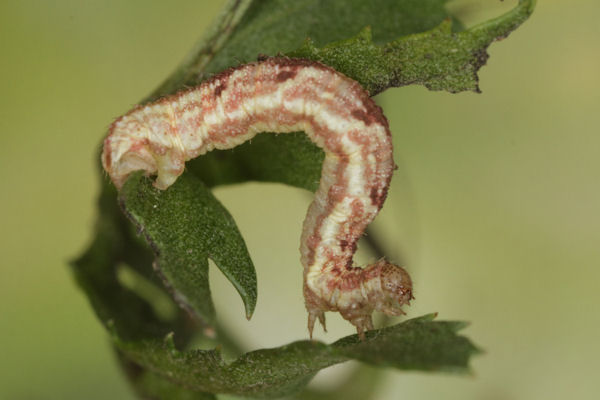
396, 288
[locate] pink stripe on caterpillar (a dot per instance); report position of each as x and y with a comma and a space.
285, 95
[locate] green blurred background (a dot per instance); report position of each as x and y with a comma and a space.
494, 210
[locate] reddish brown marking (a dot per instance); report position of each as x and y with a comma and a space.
383, 196
349, 265
353, 247
376, 198
219, 89
314, 239
374, 111
285, 75
350, 281
336, 270
374, 195
363, 116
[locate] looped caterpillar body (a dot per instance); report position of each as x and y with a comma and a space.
285, 95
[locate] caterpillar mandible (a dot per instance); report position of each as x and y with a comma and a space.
285, 95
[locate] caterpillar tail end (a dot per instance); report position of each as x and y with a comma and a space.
123, 154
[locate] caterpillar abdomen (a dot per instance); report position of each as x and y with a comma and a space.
285, 95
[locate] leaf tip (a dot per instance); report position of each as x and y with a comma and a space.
445, 26
460, 325
429, 317
249, 299
366, 34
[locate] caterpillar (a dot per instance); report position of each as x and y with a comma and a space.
281, 95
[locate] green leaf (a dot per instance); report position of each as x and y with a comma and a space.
439, 59
271, 27
379, 43
417, 344
185, 225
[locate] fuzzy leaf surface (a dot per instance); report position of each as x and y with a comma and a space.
185, 225
416, 344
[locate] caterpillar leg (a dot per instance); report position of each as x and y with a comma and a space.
312, 317
316, 308
362, 324
360, 317
170, 165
